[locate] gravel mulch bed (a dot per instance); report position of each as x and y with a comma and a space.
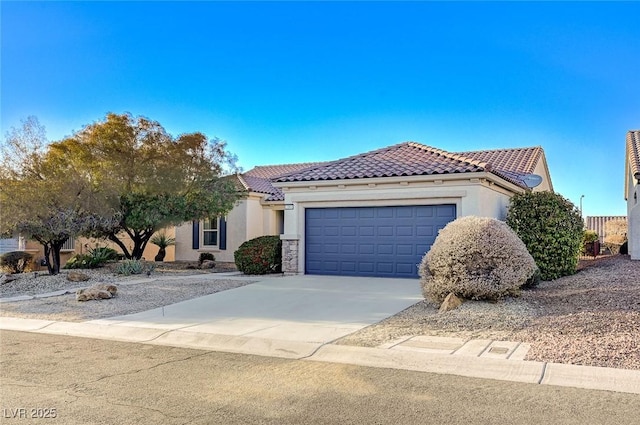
590, 318
131, 297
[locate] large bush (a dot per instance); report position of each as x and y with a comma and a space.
261, 255
476, 258
552, 229
15, 261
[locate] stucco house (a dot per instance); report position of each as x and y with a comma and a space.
372, 214
631, 189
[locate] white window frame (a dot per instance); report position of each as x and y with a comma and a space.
216, 222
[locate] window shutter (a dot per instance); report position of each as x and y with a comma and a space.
223, 233
195, 234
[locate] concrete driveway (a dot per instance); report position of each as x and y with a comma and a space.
299, 313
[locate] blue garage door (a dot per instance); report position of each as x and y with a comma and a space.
372, 241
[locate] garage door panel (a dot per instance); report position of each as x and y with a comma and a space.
348, 231
404, 230
371, 241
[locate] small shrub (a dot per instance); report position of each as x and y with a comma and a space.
588, 237
80, 261
129, 267
205, 256
476, 258
261, 255
15, 261
96, 257
104, 254
162, 240
552, 230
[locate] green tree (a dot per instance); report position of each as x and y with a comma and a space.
552, 230
41, 198
147, 179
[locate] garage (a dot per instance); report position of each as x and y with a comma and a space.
385, 241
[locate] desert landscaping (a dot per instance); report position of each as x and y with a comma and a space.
589, 318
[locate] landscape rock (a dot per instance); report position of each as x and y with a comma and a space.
208, 264
101, 291
77, 277
6, 278
109, 287
451, 302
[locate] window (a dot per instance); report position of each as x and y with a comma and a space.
210, 232
69, 245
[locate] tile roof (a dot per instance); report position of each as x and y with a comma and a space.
633, 152
271, 171
413, 159
258, 179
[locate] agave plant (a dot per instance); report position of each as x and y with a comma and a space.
162, 241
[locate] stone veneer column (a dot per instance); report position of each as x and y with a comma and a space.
290, 256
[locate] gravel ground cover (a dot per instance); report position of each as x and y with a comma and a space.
590, 318
136, 293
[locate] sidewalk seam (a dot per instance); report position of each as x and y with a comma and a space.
544, 371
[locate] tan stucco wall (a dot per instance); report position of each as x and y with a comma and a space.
474, 195
83, 245
633, 215
542, 170
247, 220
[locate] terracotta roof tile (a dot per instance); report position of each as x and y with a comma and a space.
412, 159
404, 159
271, 171
258, 179
633, 152
518, 160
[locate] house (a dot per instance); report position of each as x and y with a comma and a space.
631, 189
259, 213
372, 214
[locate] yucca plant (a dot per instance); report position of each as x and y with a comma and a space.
162, 241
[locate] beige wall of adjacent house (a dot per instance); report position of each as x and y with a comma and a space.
633, 215
85, 245
477, 194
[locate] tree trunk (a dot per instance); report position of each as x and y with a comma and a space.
161, 254
47, 257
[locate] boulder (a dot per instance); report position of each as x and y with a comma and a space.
101, 291
92, 294
6, 278
77, 277
109, 287
451, 302
208, 264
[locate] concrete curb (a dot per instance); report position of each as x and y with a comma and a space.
587, 377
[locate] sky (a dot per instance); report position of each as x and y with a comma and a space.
288, 82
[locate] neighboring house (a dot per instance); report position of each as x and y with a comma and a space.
631, 189
373, 214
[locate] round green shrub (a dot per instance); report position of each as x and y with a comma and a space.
476, 258
261, 255
15, 261
552, 229
205, 256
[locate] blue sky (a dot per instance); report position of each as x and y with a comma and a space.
307, 81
